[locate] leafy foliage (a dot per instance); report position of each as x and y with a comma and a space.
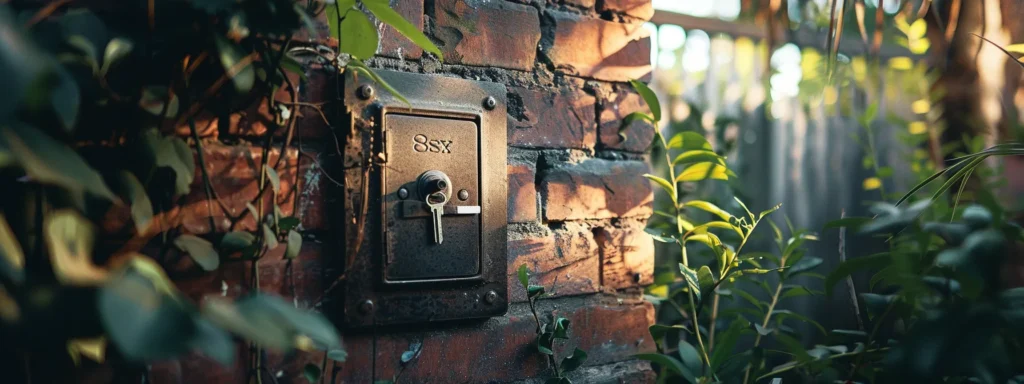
547, 333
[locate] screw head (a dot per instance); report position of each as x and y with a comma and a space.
463, 195
403, 193
365, 92
491, 297
490, 102
366, 307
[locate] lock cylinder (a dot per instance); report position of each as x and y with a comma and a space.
433, 181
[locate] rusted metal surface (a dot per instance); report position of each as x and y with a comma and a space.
452, 127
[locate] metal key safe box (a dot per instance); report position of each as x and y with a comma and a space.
432, 246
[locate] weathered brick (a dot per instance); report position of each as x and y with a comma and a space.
564, 261
503, 349
596, 189
563, 118
627, 257
641, 9
616, 107
579, 3
394, 44
487, 33
522, 192
599, 49
235, 174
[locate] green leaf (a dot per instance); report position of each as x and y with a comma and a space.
132, 190
545, 342
358, 35
692, 280
805, 264
977, 216
275, 180
272, 322
702, 171
705, 279
649, 97
688, 140
658, 330
658, 236
698, 156
236, 241
749, 298
628, 121
726, 342
153, 100
213, 342
85, 46
269, 237
782, 314
199, 250
360, 67
253, 211
664, 184
383, 11
48, 161
117, 49
311, 372
288, 223
533, 291
144, 324
294, 245
763, 331
12, 258
690, 356
710, 208
876, 303
869, 115
231, 57
561, 328
670, 363
574, 361
798, 291
524, 276
339, 355
849, 332
412, 353
333, 15
848, 267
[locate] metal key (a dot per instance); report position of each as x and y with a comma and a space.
436, 202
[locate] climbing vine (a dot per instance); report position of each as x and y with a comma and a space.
102, 130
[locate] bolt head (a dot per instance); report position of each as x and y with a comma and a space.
365, 92
366, 307
403, 193
491, 297
490, 102
463, 195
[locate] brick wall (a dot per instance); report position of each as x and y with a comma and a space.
577, 201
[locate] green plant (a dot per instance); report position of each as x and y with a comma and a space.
547, 333
94, 171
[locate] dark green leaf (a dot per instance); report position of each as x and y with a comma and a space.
782, 314
805, 264
48, 161
85, 46
649, 97
660, 237
977, 216
383, 11
213, 342
200, 250
545, 342
236, 241
574, 361
848, 267
848, 332
692, 280
155, 97
797, 292
117, 49
135, 194
144, 324
243, 76
311, 372
274, 316
533, 291
762, 330
524, 276
953, 233
725, 344
705, 279
288, 223
658, 331
628, 121
561, 328
943, 285
749, 298
339, 355
12, 258
358, 35
877, 303
294, 245
334, 12
690, 356
670, 363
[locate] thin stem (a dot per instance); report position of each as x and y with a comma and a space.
832, 357
767, 318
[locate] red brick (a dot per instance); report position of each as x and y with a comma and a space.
504, 350
522, 192
564, 261
579, 3
235, 172
614, 108
599, 49
394, 44
641, 9
563, 118
487, 33
627, 257
596, 189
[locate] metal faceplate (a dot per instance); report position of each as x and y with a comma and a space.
400, 273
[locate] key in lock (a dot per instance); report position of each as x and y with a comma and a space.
437, 189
